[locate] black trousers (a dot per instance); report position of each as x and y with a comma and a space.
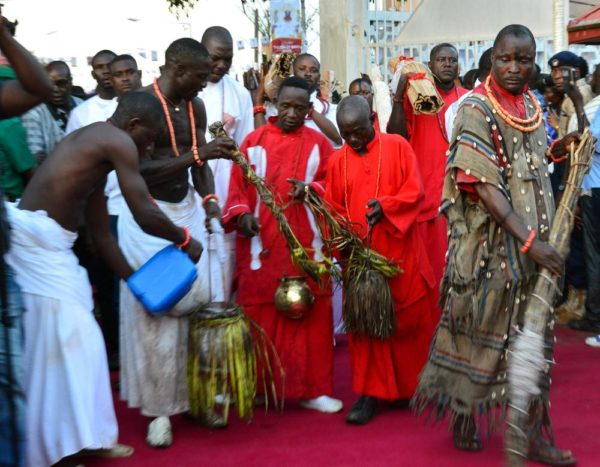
107, 285
575, 272
590, 206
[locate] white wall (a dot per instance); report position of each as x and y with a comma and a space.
342, 39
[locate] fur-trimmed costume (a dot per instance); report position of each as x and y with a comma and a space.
487, 280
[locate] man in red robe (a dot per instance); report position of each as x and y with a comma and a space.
288, 156
373, 180
427, 136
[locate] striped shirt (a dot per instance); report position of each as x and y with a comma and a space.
43, 131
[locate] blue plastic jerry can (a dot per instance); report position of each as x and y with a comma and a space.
163, 280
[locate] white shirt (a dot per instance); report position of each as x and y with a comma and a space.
319, 106
592, 178
229, 102
452, 111
91, 111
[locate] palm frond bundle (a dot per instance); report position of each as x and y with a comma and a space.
300, 256
368, 307
421, 91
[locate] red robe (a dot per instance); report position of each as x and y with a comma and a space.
305, 346
427, 136
388, 369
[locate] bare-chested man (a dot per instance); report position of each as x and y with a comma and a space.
153, 376
69, 399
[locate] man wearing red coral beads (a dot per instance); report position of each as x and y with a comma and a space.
427, 136
498, 201
284, 152
373, 180
153, 351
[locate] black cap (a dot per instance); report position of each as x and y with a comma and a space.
564, 58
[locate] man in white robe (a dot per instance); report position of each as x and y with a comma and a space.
69, 400
29, 87
229, 102
103, 104
153, 349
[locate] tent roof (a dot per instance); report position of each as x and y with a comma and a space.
579, 7
586, 28
476, 20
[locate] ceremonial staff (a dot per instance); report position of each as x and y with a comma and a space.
300, 256
368, 303
527, 360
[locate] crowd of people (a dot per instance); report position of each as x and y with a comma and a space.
462, 200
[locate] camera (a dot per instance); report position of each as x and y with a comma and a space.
568, 76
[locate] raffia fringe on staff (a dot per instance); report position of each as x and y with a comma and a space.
527, 360
368, 307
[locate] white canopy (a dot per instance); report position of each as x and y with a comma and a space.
452, 21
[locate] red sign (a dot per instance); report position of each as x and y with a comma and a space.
287, 44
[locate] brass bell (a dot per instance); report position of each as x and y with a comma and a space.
293, 297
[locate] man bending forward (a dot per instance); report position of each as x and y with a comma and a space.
70, 406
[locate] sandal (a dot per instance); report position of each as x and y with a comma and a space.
546, 453
208, 420
114, 452
465, 434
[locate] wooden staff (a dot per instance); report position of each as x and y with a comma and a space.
527, 357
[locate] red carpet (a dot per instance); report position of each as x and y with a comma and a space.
394, 438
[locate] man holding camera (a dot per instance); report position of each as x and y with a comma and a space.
590, 215
568, 74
